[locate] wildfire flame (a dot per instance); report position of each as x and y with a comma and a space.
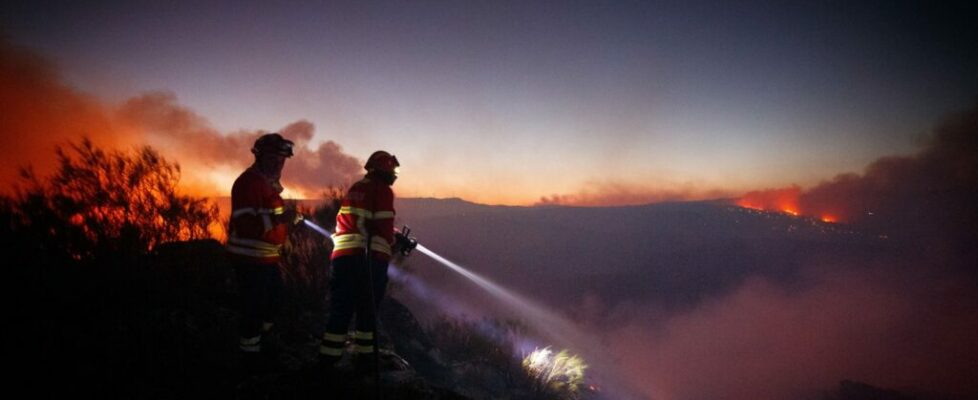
787, 200
783, 200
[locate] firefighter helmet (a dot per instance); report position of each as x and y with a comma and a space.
273, 143
382, 161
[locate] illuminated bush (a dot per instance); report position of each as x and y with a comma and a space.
562, 372
102, 203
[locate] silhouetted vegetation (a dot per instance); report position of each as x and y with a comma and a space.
305, 262
110, 271
103, 203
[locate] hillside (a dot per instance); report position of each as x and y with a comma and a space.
670, 253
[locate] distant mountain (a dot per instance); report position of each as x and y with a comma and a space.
670, 253
424, 208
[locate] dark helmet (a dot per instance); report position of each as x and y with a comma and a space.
272, 143
382, 161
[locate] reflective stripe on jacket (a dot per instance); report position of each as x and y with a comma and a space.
254, 232
367, 211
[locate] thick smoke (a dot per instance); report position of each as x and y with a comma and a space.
41, 112
597, 194
906, 321
314, 170
910, 331
930, 195
171, 126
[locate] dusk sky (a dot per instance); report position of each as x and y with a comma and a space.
510, 102
855, 121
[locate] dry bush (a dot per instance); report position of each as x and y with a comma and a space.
103, 203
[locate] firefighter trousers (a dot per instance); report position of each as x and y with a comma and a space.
350, 289
261, 291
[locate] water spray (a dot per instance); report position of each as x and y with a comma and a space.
545, 321
542, 319
317, 228
562, 369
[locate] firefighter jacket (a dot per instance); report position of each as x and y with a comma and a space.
366, 215
256, 232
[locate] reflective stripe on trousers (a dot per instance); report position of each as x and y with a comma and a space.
250, 345
364, 342
332, 345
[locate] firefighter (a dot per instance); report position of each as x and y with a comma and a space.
363, 243
256, 233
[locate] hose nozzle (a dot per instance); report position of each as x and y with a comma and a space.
404, 243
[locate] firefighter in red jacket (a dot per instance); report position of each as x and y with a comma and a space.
365, 238
256, 234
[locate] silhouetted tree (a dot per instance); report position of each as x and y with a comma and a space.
106, 203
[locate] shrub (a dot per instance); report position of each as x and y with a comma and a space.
106, 203
562, 372
486, 350
305, 265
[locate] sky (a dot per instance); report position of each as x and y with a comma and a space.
580, 103
522, 102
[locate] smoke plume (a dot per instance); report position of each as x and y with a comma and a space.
180, 130
41, 112
908, 330
904, 322
929, 195
597, 194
